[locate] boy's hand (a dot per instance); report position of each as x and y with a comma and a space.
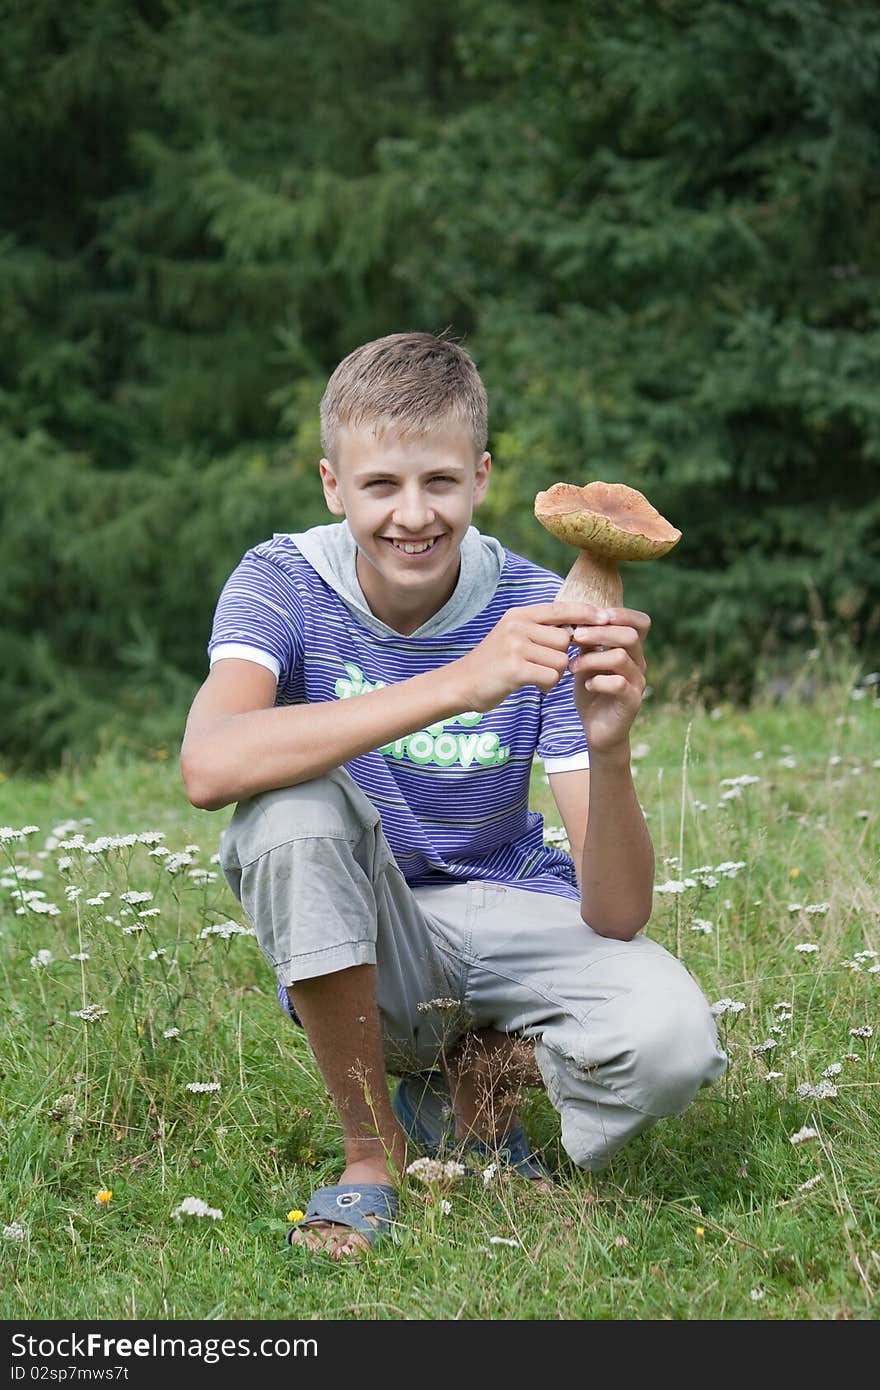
609, 675
527, 646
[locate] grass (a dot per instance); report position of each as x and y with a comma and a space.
706, 1216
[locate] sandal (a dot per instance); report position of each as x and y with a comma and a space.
352, 1204
423, 1106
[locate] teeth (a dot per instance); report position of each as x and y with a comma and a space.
412, 549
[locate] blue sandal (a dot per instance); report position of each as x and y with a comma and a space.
352, 1204
423, 1106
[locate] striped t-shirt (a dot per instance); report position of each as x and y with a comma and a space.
453, 797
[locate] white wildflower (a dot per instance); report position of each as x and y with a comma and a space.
72, 892
702, 925
503, 1240
773, 1076
727, 1006
823, 1090
90, 1012
445, 1206
171, 1033
810, 1183
80, 955
134, 897
865, 1031
443, 1005
160, 852
41, 960
150, 912
489, 1173
783, 1004
787, 762
14, 1231
433, 1171
803, 1135
226, 929
855, 965
151, 837
864, 955
133, 929
767, 1046
817, 909
834, 1070
806, 948
745, 780
851, 1057
203, 1086
757, 1294
795, 907
97, 900
194, 1206
154, 955
175, 862
675, 885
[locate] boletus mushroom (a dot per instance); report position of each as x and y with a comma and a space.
608, 522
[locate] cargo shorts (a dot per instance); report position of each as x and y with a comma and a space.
622, 1033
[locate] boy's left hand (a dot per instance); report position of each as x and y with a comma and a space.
613, 662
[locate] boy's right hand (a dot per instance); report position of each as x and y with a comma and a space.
527, 646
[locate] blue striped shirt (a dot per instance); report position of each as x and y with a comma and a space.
454, 797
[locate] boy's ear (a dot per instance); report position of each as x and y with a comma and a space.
331, 488
481, 480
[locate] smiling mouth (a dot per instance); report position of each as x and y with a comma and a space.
413, 547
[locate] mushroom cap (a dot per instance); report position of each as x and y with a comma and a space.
609, 519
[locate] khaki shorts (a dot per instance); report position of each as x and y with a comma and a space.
623, 1035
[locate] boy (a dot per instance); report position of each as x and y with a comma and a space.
383, 847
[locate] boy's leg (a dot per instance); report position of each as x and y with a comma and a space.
341, 1020
623, 1035
315, 875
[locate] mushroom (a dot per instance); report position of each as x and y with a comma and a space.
608, 522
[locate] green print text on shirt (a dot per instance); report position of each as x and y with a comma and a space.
433, 744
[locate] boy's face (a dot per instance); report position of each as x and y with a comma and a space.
395, 492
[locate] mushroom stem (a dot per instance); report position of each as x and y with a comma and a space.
593, 579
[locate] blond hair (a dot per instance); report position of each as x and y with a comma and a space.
410, 382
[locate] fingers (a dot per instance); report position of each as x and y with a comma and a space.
564, 614
605, 639
610, 672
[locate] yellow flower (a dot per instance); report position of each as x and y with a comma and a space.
103, 1197
140, 1029
794, 873
295, 1215
700, 1231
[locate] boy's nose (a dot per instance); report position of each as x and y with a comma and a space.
413, 514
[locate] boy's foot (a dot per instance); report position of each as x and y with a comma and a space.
374, 1209
423, 1107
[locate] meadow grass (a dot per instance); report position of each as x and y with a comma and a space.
712, 1214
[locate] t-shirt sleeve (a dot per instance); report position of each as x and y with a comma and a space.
259, 617
562, 743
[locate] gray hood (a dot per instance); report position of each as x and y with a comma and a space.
332, 552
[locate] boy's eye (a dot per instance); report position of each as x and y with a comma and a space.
386, 482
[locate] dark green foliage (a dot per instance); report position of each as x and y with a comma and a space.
655, 224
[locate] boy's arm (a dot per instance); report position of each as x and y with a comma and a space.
600, 810
610, 845
238, 743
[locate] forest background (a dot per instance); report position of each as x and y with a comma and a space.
654, 223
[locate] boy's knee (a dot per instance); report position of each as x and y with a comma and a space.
672, 1050
328, 807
